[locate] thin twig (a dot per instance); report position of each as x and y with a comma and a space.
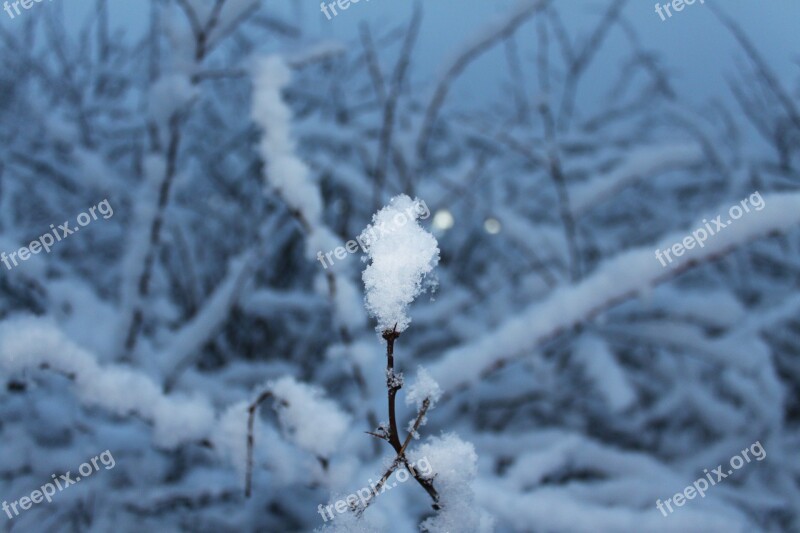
401, 458
458, 66
425, 405
393, 384
251, 439
390, 107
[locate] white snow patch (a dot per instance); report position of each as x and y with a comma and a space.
454, 468
312, 421
424, 387
402, 253
230, 437
607, 376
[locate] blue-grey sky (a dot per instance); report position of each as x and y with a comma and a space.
696, 49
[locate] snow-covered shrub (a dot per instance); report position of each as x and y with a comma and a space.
195, 337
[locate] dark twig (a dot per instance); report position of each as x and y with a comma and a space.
457, 68
583, 59
391, 102
401, 458
264, 396
425, 405
394, 383
770, 79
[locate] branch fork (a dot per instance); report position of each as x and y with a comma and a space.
394, 382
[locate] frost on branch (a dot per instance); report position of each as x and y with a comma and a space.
454, 467
285, 172
29, 343
288, 174
402, 253
394, 380
423, 389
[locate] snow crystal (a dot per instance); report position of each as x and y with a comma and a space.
313, 422
394, 380
402, 253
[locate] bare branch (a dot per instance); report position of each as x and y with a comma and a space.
461, 63
761, 65
398, 79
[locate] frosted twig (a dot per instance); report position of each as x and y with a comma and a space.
392, 385
392, 435
401, 458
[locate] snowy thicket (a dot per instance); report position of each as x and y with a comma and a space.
196, 336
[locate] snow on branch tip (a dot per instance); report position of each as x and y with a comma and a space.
402, 254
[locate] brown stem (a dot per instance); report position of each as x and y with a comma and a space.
417, 422
401, 458
426, 484
392, 435
393, 385
251, 439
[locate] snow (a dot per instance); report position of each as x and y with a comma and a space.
616, 279
313, 422
401, 254
716, 307
580, 395
191, 337
642, 163
230, 437
287, 173
145, 203
291, 177
423, 388
349, 523
169, 96
604, 372
29, 343
454, 468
